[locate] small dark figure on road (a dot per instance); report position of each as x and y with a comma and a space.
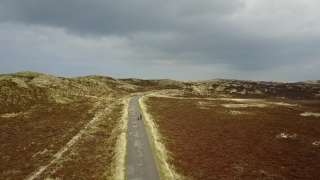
140, 116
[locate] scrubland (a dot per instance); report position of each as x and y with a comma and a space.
234, 138
75, 128
67, 128
92, 157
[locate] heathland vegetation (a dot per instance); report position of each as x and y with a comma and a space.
239, 139
75, 128
43, 117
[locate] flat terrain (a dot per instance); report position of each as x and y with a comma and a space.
32, 136
92, 156
240, 139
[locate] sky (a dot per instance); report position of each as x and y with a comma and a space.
267, 40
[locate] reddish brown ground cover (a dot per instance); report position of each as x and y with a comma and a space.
92, 156
47, 128
36, 121
214, 144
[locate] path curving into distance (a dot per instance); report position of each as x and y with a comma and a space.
141, 164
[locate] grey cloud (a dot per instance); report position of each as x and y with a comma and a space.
183, 32
241, 52
113, 17
96, 16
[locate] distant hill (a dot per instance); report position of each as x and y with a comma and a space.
25, 87
312, 82
255, 89
23, 90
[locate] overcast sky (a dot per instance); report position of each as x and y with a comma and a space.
277, 40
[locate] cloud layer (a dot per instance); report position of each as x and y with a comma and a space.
183, 39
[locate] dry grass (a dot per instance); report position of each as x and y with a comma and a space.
117, 171
310, 114
211, 143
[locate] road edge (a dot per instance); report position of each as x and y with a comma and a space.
166, 171
119, 165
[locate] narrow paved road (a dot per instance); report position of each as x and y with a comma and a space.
141, 163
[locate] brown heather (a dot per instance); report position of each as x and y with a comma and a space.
212, 143
40, 114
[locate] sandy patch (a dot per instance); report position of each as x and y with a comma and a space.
238, 112
244, 105
316, 143
167, 171
282, 104
240, 100
310, 114
12, 115
172, 93
284, 135
205, 104
166, 94
91, 96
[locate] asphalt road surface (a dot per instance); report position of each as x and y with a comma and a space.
141, 164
